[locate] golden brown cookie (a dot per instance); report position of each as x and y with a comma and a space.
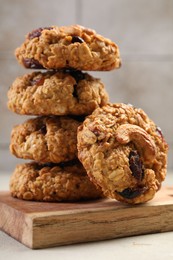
56, 93
123, 152
46, 139
68, 47
52, 182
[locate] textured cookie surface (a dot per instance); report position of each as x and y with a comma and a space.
56, 93
123, 152
46, 139
68, 47
51, 182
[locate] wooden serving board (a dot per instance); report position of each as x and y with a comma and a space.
40, 225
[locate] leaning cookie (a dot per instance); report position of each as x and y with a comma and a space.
45, 139
52, 182
68, 47
56, 93
123, 152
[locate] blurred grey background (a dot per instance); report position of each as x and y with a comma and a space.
143, 30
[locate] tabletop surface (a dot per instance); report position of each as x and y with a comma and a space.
154, 246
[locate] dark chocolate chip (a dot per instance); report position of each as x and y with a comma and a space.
31, 63
77, 39
132, 193
37, 32
136, 165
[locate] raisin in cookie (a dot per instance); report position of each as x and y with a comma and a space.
56, 93
123, 152
68, 47
52, 182
46, 139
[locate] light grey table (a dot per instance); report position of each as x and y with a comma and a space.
155, 246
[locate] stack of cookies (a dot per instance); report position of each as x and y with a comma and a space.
59, 96
122, 152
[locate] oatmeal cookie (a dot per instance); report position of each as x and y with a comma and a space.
123, 152
52, 182
68, 47
46, 139
66, 92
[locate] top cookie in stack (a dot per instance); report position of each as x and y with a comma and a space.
60, 95
68, 47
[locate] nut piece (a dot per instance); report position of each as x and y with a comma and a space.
132, 133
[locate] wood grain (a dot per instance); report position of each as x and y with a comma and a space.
40, 225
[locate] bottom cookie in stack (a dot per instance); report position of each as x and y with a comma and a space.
52, 182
